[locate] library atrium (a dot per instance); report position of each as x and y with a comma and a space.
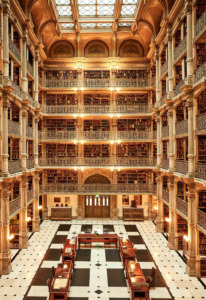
103, 149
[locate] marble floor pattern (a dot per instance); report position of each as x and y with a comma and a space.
98, 272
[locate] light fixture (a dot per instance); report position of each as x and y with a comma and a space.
82, 116
186, 238
75, 116
155, 208
168, 220
112, 169
118, 116
118, 169
65, 266
117, 90
82, 142
111, 142
82, 89
111, 116
10, 237
75, 142
111, 89
40, 207
28, 219
82, 169
75, 168
132, 266
118, 142
75, 90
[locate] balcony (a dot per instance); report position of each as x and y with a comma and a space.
134, 83
165, 131
201, 122
181, 166
98, 161
13, 127
14, 166
60, 109
101, 188
29, 132
182, 206
180, 49
14, 50
201, 219
96, 83
57, 135
164, 68
165, 195
98, 135
200, 73
133, 109
30, 163
14, 205
17, 89
201, 170
162, 100
177, 89
200, 26
181, 127
96, 109
30, 195
30, 69
31, 99
165, 164
136, 135
55, 83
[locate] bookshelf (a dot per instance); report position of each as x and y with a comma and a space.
132, 176
61, 99
200, 8
62, 176
164, 119
154, 150
133, 214
164, 149
16, 75
153, 71
30, 214
202, 148
30, 148
155, 178
182, 230
178, 74
180, 113
201, 54
14, 144
40, 150
180, 149
104, 74
180, 190
164, 87
132, 99
131, 74
177, 37
96, 99
61, 150
30, 182
15, 189
133, 124
61, 74
40, 97
15, 112
102, 150
96, 125
202, 201
202, 252
166, 215
30, 87
133, 150
164, 56
201, 102
16, 39
30, 120
14, 229
154, 125
153, 97
61, 124
165, 182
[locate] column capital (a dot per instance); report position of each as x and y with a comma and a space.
6, 7
188, 6
157, 52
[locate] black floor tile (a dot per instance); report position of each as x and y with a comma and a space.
159, 281
41, 276
120, 299
83, 255
109, 228
116, 278
143, 255
131, 228
64, 227
86, 228
52, 254
35, 298
112, 255
136, 239
78, 298
80, 277
59, 239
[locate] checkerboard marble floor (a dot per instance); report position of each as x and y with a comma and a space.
98, 272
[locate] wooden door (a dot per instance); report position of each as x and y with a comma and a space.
97, 207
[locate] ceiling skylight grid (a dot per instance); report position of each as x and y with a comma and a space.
96, 7
128, 7
64, 7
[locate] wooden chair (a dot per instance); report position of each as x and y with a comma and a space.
53, 271
150, 279
49, 284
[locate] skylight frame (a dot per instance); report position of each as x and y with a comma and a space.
64, 8
96, 8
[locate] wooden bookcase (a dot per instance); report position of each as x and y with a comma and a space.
180, 190
61, 124
133, 214
202, 252
40, 150
132, 176
30, 182
180, 113
200, 8
61, 99
16, 39
202, 201
201, 54
132, 99
96, 125
14, 146
166, 215
61, 74
133, 150
164, 149
201, 102
30, 88
165, 182
182, 229
164, 119
40, 97
14, 229
104, 74
102, 150
177, 37
180, 149
153, 71
15, 189
164, 56
133, 124
131, 74
61, 150
61, 213
164, 87
202, 148
15, 112
96, 99
178, 74
153, 97
154, 150
16, 75
154, 125
62, 176
30, 214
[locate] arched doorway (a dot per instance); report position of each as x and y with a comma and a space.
97, 206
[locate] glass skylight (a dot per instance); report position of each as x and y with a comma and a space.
104, 25
64, 7
96, 7
88, 25
67, 25
124, 24
128, 7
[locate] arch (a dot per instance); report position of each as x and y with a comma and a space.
96, 48
97, 179
45, 24
131, 48
149, 25
61, 49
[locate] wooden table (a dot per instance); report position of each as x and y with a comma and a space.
61, 282
126, 251
101, 238
69, 251
136, 281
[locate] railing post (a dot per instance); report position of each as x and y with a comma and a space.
6, 12
158, 140
24, 62
159, 219
44, 207
172, 214
36, 219
5, 154
23, 236
171, 138
170, 59
157, 75
190, 68
36, 154
24, 121
114, 211
190, 155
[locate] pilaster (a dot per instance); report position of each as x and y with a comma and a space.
172, 214
36, 218
114, 211
24, 123
6, 12
191, 155
44, 208
159, 219
157, 59
23, 232
171, 137
158, 140
5, 154
190, 66
170, 59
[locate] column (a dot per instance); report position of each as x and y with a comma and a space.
157, 75
158, 140
191, 255
78, 43
23, 232
150, 208
114, 44
44, 208
36, 154
23, 137
36, 218
191, 149
80, 199
171, 138
5, 155
24, 62
170, 60
160, 218
114, 211
6, 252
190, 67
172, 214
6, 11
36, 77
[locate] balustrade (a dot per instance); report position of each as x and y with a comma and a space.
200, 73
162, 99
14, 205
164, 68
165, 195
55, 83
98, 135
14, 166
201, 122
30, 69
17, 89
30, 195
201, 171
97, 83
88, 109
134, 83
200, 26
29, 132
31, 99
181, 127
180, 49
165, 131
181, 166
182, 206
177, 89
14, 50
59, 109
165, 164
57, 135
201, 219
135, 135
30, 163
133, 109
13, 127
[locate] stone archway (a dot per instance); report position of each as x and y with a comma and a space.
97, 179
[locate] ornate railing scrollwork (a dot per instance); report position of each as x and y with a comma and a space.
30, 195
200, 73
14, 205
180, 49
164, 68
165, 195
30, 163
17, 89
134, 82
177, 89
165, 164
201, 122
57, 135
135, 135
14, 166
13, 127
181, 166
165, 131
29, 132
200, 26
201, 219
30, 69
14, 50
182, 206
162, 99
181, 127
201, 170
97, 135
